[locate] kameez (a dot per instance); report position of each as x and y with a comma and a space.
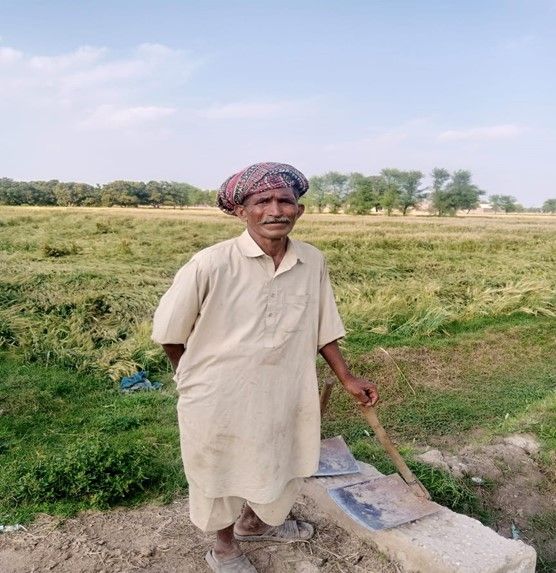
248, 404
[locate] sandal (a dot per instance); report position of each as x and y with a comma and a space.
239, 564
290, 531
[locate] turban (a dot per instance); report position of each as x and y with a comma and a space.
258, 178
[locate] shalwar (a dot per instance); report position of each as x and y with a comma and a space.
213, 514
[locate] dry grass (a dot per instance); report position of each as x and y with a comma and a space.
81, 284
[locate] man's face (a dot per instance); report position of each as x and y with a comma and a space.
270, 214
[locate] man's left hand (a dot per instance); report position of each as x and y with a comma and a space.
364, 391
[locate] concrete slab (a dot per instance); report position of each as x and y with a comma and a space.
446, 542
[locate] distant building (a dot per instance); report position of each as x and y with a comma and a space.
484, 208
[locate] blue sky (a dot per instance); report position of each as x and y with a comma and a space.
195, 90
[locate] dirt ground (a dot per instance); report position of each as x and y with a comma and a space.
520, 495
160, 539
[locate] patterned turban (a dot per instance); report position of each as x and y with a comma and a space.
257, 178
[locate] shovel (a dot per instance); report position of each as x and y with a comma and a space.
369, 414
383, 502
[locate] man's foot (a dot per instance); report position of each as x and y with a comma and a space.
223, 552
250, 524
238, 564
291, 530
226, 547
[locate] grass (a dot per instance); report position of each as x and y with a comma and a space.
454, 319
395, 280
68, 442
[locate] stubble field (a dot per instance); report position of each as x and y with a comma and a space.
455, 319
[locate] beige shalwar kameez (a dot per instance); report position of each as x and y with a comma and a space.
248, 407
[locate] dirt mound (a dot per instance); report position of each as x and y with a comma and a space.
160, 539
521, 497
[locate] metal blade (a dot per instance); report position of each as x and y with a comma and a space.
382, 503
336, 459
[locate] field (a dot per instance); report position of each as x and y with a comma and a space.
455, 319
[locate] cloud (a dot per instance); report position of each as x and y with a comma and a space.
488, 133
386, 137
90, 73
251, 110
111, 117
83, 56
9, 55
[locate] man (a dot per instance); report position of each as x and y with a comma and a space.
242, 324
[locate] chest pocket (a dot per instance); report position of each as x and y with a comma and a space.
294, 314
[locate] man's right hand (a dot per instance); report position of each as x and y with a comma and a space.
364, 391
174, 353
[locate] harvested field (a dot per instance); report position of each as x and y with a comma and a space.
455, 318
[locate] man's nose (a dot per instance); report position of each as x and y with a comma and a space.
275, 208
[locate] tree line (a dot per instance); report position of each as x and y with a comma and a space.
394, 189
391, 189
116, 193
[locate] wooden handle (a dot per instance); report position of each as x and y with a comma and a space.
416, 486
325, 396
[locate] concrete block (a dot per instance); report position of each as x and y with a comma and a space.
446, 542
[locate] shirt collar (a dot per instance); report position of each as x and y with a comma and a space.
249, 248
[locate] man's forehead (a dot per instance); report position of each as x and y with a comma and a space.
281, 192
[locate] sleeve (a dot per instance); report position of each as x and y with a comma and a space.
179, 307
331, 326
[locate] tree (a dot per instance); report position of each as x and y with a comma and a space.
505, 203
389, 199
440, 178
401, 189
87, 195
440, 200
455, 192
10, 192
65, 194
124, 193
411, 195
549, 206
365, 195
328, 190
43, 192
466, 194
183, 194
495, 202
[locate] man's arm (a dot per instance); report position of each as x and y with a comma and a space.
364, 391
174, 353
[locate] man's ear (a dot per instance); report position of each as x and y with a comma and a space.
300, 210
239, 212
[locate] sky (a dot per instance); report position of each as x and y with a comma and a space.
196, 90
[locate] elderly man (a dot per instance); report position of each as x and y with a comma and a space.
242, 324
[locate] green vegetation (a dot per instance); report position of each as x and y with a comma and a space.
68, 442
81, 285
123, 193
453, 317
391, 189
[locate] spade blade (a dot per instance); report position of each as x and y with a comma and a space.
336, 459
382, 503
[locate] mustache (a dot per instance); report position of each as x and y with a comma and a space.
277, 220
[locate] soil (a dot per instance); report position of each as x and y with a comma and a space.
519, 494
434, 368
160, 539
